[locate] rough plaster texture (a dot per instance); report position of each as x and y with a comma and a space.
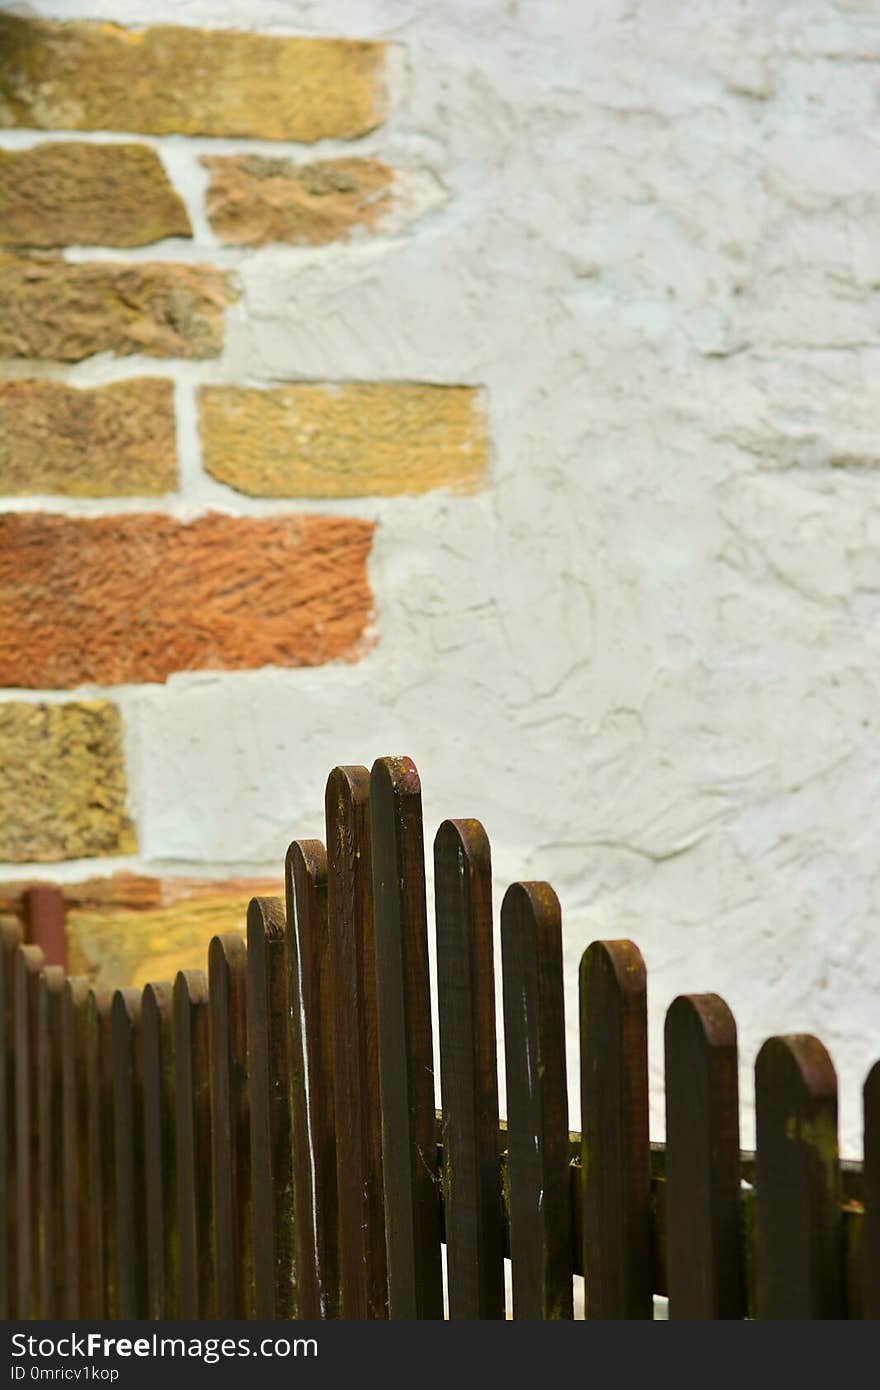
646, 656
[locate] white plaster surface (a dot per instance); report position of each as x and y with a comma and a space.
647, 656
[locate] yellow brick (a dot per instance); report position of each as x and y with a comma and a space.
168, 79
62, 782
351, 440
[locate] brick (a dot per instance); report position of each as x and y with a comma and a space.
78, 193
253, 200
51, 309
137, 597
116, 440
350, 440
120, 947
62, 782
167, 79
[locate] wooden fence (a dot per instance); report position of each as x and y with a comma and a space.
262, 1140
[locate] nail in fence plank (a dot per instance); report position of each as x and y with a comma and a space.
160, 1169
45, 913
29, 963
10, 940
406, 1055
75, 1080
128, 1145
101, 1160
233, 1231
871, 1221
363, 1278
616, 1152
271, 1157
468, 1071
50, 997
537, 1102
192, 1102
705, 1275
311, 1079
797, 1176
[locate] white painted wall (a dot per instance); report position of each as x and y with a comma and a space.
646, 657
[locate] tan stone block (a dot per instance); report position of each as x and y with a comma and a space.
350, 440
168, 79
136, 597
62, 781
116, 440
253, 200
52, 309
79, 193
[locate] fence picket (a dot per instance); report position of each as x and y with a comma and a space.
871, 1223
128, 1145
160, 1169
78, 1299
705, 1275
311, 1080
49, 1189
28, 965
798, 1249
468, 1071
10, 940
271, 1157
363, 1276
233, 1249
194, 1155
537, 1102
101, 1164
406, 1054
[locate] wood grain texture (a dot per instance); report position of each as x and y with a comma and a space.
870, 1256
705, 1273
363, 1277
160, 1148
798, 1243
28, 965
210, 594
268, 1021
233, 1224
468, 1071
101, 1161
406, 1054
128, 1147
615, 1154
10, 940
312, 1084
79, 1295
194, 1148
49, 1180
537, 1102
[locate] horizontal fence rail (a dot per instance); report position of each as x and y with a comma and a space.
262, 1139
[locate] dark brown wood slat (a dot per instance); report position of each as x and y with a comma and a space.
798, 1242
128, 1149
406, 1051
101, 1173
45, 913
49, 1186
271, 1156
75, 1079
363, 1276
160, 1168
311, 1075
233, 1230
871, 1227
468, 1071
537, 1102
10, 940
192, 1099
28, 965
615, 1156
705, 1274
